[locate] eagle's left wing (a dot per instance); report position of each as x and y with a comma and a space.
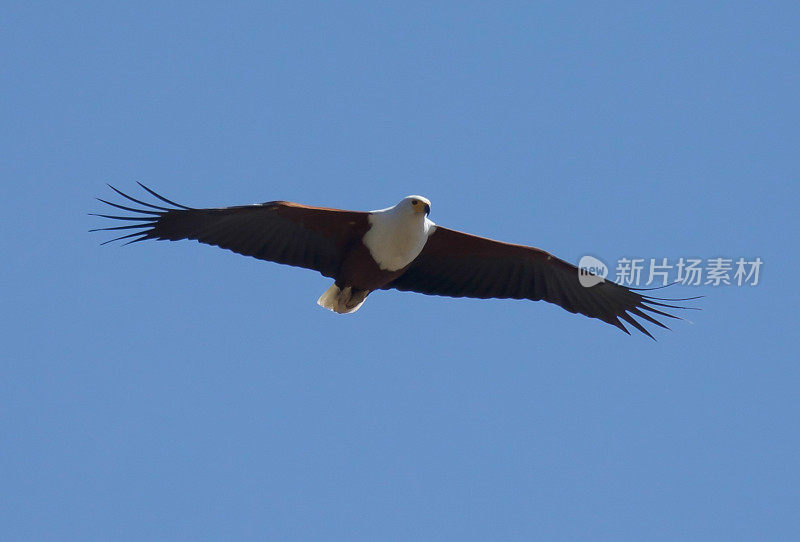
457, 264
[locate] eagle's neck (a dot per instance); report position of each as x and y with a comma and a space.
396, 237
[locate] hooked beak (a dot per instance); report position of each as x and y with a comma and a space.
427, 209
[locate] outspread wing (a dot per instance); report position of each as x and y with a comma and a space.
457, 264
277, 231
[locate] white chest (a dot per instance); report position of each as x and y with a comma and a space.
395, 241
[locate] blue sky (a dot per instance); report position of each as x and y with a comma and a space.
172, 391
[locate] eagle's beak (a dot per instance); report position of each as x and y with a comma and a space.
427, 209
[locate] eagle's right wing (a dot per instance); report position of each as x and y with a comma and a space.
277, 231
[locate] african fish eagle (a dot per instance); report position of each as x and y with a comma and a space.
398, 247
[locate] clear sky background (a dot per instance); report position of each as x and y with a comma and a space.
173, 391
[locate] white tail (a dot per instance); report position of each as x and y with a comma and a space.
342, 301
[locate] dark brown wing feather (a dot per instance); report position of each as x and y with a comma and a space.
276, 231
457, 264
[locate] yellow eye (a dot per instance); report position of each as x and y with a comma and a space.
414, 202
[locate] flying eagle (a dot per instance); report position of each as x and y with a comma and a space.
397, 247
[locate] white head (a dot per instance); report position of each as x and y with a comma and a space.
414, 205
398, 234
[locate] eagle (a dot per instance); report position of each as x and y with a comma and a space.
394, 248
